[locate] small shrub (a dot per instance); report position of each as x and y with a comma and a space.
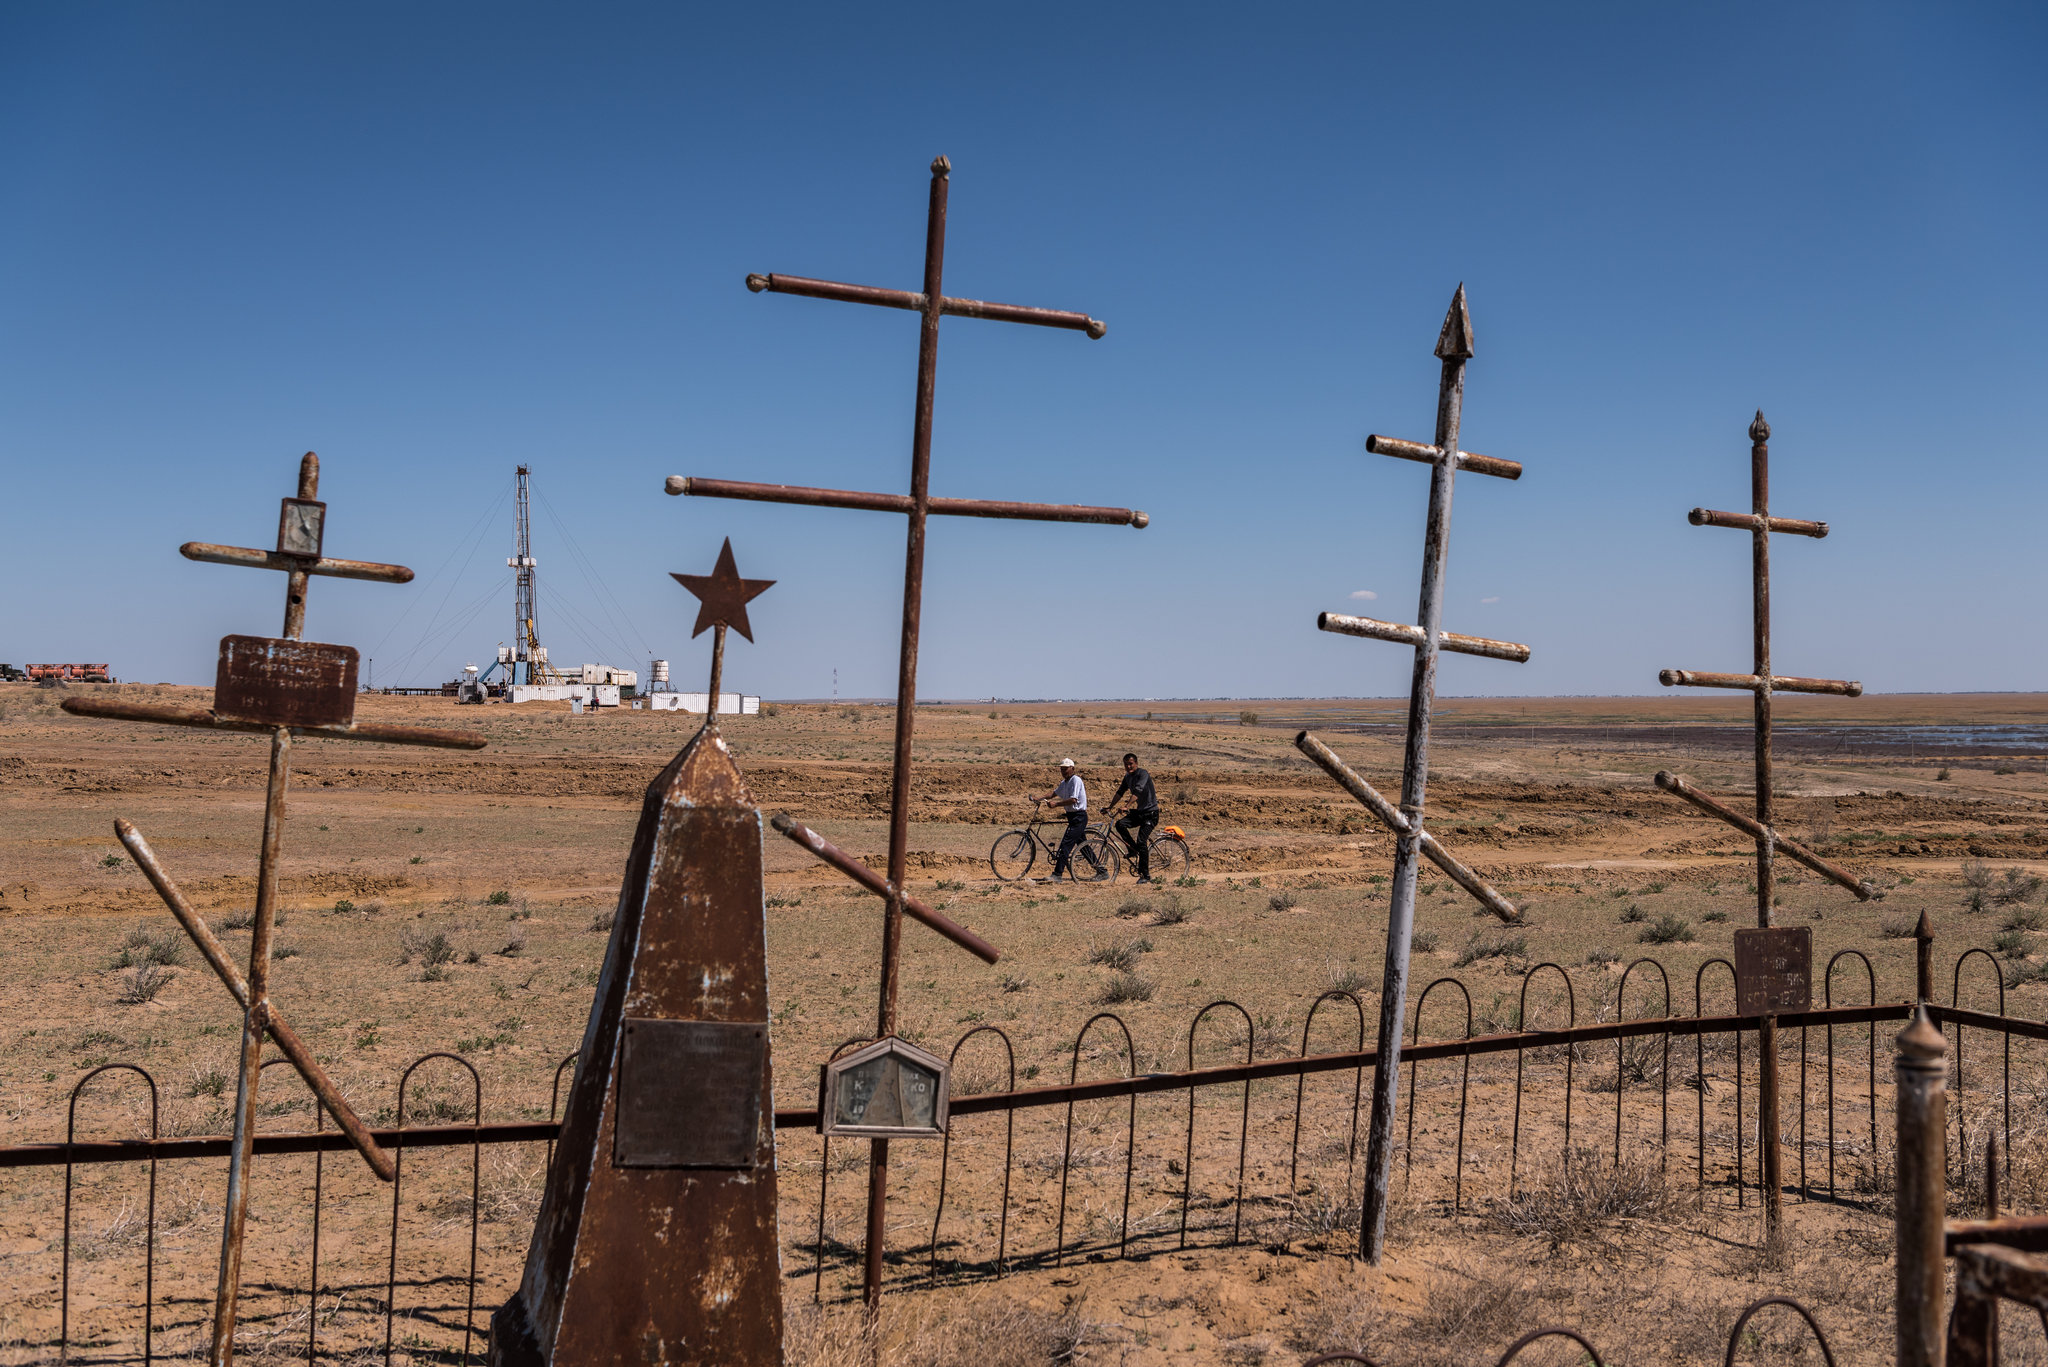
603, 920
1424, 941
1133, 906
367, 1034
1898, 927
435, 973
1187, 880
773, 903
1975, 903
208, 1080
1497, 946
2011, 943
285, 952
2019, 886
501, 898
1942, 777
513, 947
1579, 1201
1600, 958
1655, 887
1714, 918
1345, 978
2020, 972
164, 947
431, 950
1170, 911
1976, 874
1247, 718
342, 906
145, 981
2022, 918
238, 920
1121, 955
1126, 987
1282, 901
1635, 915
1010, 982
1666, 930
472, 956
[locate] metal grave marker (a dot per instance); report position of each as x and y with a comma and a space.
1761, 684
1411, 841
282, 687
930, 304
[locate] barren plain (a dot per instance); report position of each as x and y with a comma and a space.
457, 904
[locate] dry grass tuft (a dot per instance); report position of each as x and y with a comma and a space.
1126, 987
143, 984
1119, 954
1579, 1201
988, 1331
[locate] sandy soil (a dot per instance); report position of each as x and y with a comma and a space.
1549, 798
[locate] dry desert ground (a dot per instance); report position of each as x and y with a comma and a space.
457, 903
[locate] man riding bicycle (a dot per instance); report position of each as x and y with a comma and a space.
1072, 797
1136, 829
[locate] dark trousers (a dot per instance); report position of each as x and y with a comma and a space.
1077, 831
1136, 828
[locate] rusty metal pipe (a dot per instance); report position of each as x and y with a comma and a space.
288, 1040
1371, 800
1373, 629
120, 710
900, 503
1678, 787
860, 873
272, 560
1429, 455
1750, 522
915, 303
1780, 683
1921, 1070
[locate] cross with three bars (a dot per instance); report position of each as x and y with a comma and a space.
282, 687
930, 304
1454, 349
1762, 684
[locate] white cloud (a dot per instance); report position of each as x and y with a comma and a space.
1494, 599
1364, 595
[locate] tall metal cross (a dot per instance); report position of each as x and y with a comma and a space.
1411, 841
1762, 684
280, 687
930, 304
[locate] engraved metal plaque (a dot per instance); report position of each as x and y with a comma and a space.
300, 524
285, 683
689, 1093
1773, 970
889, 1090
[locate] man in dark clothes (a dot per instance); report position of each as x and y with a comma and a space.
1137, 828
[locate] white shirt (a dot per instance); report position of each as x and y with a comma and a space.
1072, 787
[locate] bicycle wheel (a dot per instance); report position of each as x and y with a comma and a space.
1094, 859
1170, 858
1010, 857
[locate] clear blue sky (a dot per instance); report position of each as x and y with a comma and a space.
431, 242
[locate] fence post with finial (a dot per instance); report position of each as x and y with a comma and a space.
1921, 1070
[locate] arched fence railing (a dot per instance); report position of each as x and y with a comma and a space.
1181, 1147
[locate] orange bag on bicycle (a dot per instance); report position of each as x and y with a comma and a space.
1173, 831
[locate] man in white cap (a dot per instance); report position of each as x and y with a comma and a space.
1072, 798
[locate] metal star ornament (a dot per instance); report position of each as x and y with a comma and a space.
722, 595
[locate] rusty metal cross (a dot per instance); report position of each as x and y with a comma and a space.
930, 304
282, 687
1762, 684
1454, 349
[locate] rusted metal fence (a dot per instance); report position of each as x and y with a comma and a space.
1079, 1170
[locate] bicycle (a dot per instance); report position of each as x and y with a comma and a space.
1170, 857
1094, 860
